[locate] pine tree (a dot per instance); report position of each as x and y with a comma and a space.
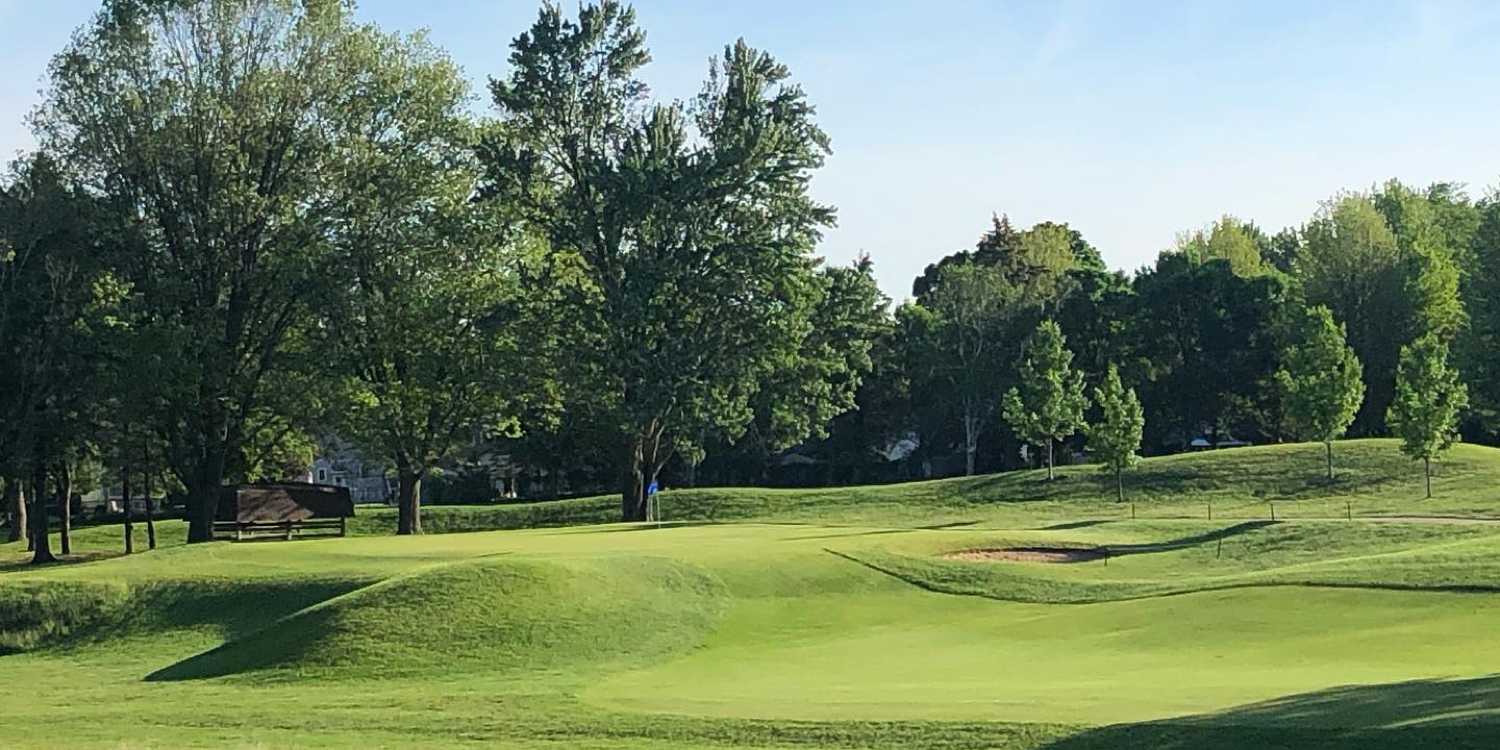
1321, 381
1117, 436
1429, 400
1049, 405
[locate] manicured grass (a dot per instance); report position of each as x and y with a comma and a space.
821, 619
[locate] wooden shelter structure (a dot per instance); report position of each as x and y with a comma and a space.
282, 509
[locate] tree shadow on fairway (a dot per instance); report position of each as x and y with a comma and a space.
1447, 714
885, 532
1076, 525
1172, 545
641, 526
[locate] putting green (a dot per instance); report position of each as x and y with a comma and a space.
910, 657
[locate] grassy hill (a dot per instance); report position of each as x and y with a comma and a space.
827, 618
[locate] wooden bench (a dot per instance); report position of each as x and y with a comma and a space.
283, 529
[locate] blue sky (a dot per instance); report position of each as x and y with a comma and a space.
1131, 121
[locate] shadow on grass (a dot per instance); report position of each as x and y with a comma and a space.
22, 561
1172, 545
643, 526
1076, 525
1447, 714
885, 532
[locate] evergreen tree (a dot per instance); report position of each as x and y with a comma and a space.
1049, 405
1321, 381
1117, 436
1429, 400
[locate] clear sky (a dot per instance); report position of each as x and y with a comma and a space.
1132, 121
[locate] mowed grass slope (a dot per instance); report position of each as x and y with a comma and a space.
820, 619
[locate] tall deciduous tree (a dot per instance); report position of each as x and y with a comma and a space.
800, 400
690, 225
1350, 263
1203, 340
217, 124
954, 345
1049, 405
1321, 381
1429, 399
1116, 438
1227, 239
419, 325
1387, 265
1481, 339
55, 293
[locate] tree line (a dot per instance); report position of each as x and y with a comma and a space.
1342, 325
250, 221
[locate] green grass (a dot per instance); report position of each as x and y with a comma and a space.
824, 618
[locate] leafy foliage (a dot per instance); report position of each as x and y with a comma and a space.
1320, 380
1116, 437
1049, 405
1228, 240
690, 228
1429, 400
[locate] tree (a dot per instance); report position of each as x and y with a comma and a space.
218, 127
55, 295
1385, 266
799, 401
1481, 339
15, 509
419, 320
1351, 264
1115, 439
954, 345
1430, 251
1229, 240
1429, 400
1321, 381
1049, 404
1203, 340
690, 226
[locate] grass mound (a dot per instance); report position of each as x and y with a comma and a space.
36, 614
43, 614
491, 615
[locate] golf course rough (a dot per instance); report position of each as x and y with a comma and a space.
855, 626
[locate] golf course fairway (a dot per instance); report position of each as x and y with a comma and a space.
1372, 630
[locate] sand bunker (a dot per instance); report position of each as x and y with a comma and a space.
1030, 554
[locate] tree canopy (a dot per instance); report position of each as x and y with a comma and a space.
1049, 403
1320, 379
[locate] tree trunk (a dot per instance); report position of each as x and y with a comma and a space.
1427, 471
203, 495
971, 440
42, 551
125, 499
15, 505
1049, 459
692, 473
409, 502
632, 481
1119, 483
1328, 449
65, 507
150, 511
